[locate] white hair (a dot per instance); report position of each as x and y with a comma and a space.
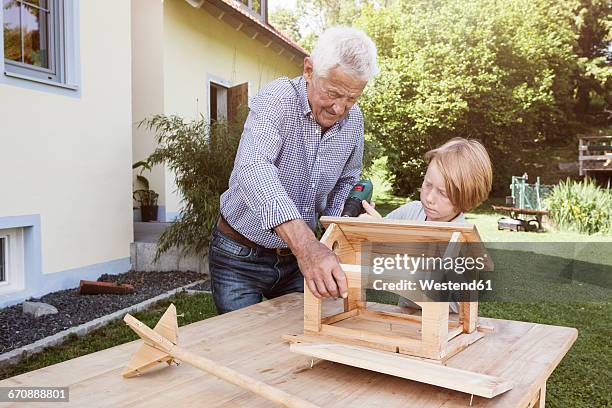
346, 48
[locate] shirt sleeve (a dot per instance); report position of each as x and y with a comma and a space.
349, 177
408, 211
257, 174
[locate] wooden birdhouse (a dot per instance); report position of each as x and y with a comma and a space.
413, 346
429, 335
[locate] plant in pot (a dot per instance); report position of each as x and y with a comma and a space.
146, 198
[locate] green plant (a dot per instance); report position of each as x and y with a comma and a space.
201, 156
142, 165
581, 206
145, 198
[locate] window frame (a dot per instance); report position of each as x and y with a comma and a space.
3, 258
263, 5
56, 46
66, 55
14, 274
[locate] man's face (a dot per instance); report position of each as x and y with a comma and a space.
332, 96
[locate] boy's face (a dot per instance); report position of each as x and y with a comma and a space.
434, 197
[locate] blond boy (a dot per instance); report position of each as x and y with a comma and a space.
458, 179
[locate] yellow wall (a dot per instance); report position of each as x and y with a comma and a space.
68, 158
196, 45
147, 83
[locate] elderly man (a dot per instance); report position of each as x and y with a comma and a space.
299, 156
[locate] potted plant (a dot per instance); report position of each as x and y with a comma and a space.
146, 198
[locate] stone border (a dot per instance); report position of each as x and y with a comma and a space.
14, 356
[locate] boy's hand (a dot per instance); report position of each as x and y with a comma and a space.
370, 211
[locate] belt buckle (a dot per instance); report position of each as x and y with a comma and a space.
282, 251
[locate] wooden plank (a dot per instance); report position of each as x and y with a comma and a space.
388, 363
334, 239
411, 346
312, 310
542, 396
391, 316
430, 231
460, 343
468, 315
339, 317
434, 333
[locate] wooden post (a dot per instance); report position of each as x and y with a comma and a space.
434, 329
312, 311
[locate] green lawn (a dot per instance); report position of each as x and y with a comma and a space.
584, 376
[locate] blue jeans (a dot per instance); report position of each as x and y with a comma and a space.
240, 275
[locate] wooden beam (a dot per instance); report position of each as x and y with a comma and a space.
390, 363
312, 311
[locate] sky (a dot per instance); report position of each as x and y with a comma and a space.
275, 4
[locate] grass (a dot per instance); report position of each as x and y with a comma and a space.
582, 380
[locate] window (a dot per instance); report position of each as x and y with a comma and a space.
256, 7
3, 261
39, 40
12, 276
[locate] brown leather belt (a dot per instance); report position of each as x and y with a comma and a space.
230, 232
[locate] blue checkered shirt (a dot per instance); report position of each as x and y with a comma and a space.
285, 169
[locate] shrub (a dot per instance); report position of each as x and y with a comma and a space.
581, 206
201, 156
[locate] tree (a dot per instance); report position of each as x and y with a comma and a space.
594, 48
499, 72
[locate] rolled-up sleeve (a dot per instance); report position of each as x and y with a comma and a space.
349, 177
257, 173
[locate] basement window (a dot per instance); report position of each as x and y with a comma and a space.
12, 276
3, 261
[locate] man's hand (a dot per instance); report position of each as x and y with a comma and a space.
319, 265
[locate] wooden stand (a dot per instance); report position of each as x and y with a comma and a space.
376, 339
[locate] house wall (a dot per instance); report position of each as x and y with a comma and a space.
198, 47
147, 85
65, 160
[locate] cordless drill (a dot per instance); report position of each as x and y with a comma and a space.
362, 191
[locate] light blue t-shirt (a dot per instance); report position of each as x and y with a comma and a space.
414, 211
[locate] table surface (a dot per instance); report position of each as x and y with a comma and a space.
249, 341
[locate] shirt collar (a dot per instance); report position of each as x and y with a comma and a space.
305, 105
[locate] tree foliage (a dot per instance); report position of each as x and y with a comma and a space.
497, 72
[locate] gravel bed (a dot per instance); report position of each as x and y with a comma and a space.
18, 329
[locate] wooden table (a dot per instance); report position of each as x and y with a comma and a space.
249, 340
